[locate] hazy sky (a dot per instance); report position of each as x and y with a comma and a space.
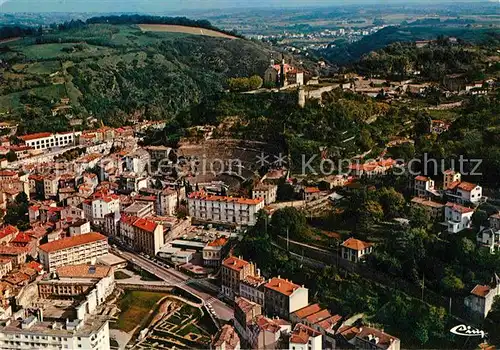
173, 5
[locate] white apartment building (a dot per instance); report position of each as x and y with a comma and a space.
46, 140
81, 249
267, 192
465, 192
138, 161
97, 208
168, 202
227, 210
30, 333
457, 217
252, 288
423, 186
481, 298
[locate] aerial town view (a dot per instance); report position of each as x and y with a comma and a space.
212, 174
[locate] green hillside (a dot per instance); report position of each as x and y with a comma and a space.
346, 53
115, 71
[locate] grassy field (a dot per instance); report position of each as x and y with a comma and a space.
182, 29
135, 307
55, 51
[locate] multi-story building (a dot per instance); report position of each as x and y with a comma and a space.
464, 193
252, 288
140, 209
81, 249
159, 153
148, 236
132, 182
46, 140
435, 209
424, 186
457, 217
214, 251
79, 227
50, 186
168, 199
305, 338
5, 266
73, 281
282, 297
31, 333
101, 204
233, 271
354, 249
489, 238
138, 161
226, 210
450, 176
266, 191
245, 312
481, 298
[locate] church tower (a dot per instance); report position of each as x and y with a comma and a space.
282, 72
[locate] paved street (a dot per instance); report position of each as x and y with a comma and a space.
176, 278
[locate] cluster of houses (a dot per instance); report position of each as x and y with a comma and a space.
453, 205
276, 313
454, 202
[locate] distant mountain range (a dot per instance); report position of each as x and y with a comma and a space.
161, 6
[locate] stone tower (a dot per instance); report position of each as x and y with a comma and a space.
301, 96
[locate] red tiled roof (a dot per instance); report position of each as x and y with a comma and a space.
8, 173
219, 242
311, 190
83, 271
384, 340
128, 219
35, 266
227, 338
459, 208
453, 185
286, 67
422, 178
145, 224
266, 324
22, 237
348, 332
282, 286
467, 186
481, 291
308, 310
35, 136
318, 316
356, 244
301, 334
207, 197
12, 250
72, 242
234, 263
8, 230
